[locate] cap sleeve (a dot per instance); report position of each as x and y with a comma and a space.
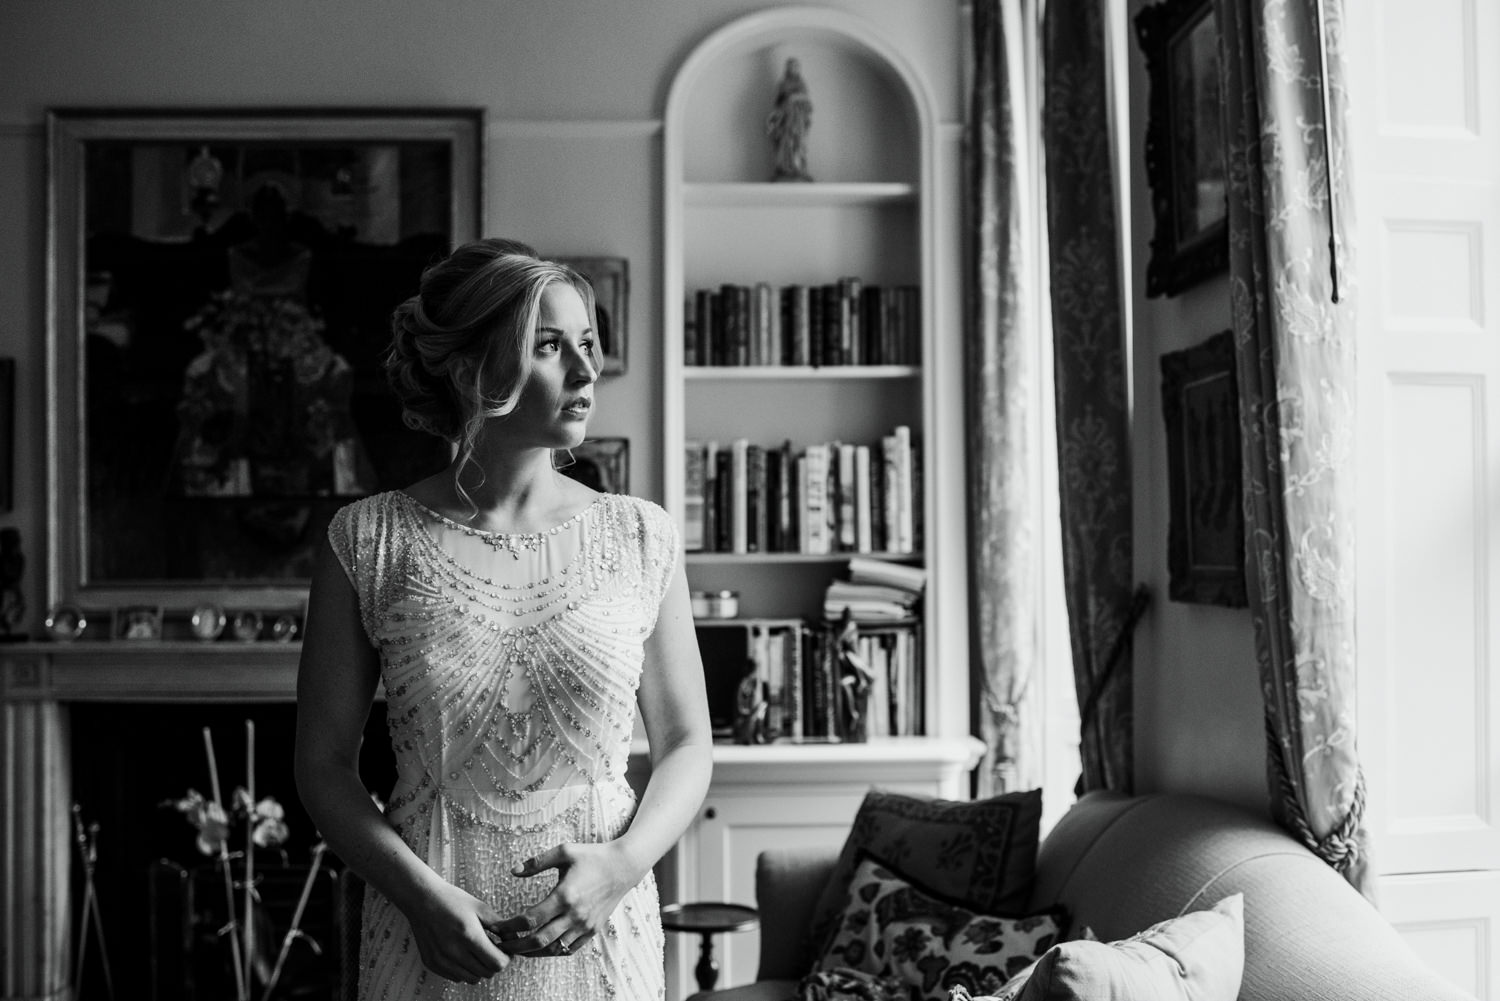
665, 545
354, 534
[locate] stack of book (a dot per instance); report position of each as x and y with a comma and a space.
842, 323
832, 497
876, 591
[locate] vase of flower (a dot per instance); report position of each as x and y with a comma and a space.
228, 916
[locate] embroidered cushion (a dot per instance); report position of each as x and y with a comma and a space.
890, 927
980, 854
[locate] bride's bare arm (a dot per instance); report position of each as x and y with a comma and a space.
336, 681
674, 709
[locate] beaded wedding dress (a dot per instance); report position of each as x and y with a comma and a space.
510, 665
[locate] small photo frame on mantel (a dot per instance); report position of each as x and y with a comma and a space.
1185, 162
610, 277
137, 622
1206, 536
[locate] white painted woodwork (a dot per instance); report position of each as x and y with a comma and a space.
1452, 920
1426, 165
872, 212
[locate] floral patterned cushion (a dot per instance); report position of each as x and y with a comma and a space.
980, 853
890, 927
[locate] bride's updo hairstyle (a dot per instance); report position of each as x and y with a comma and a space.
462, 347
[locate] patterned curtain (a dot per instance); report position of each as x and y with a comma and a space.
998, 372
1092, 419
1295, 361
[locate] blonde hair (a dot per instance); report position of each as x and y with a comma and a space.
462, 347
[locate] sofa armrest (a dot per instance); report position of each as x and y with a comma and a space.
788, 882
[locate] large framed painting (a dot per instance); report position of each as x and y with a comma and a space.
1185, 162
221, 286
1206, 534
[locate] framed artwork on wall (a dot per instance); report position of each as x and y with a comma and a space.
1206, 536
610, 277
220, 293
601, 463
1185, 161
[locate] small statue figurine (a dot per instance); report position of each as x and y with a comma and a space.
12, 602
751, 710
787, 125
856, 679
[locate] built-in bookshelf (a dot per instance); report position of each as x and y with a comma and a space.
798, 383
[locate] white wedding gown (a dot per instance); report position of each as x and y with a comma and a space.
510, 664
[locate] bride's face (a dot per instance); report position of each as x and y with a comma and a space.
558, 395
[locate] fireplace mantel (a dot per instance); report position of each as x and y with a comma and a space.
147, 671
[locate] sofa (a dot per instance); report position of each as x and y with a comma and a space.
1121, 863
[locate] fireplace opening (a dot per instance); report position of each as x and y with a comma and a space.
161, 902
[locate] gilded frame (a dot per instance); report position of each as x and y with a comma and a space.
404, 171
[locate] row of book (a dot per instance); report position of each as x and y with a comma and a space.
786, 680
842, 323
831, 497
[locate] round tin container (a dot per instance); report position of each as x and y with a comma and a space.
715, 604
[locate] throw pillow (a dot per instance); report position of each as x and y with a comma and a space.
1194, 957
1012, 989
980, 854
893, 928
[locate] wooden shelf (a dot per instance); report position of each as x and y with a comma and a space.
704, 557
771, 196
748, 373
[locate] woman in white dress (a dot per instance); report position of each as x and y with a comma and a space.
517, 619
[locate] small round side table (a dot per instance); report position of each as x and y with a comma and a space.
708, 919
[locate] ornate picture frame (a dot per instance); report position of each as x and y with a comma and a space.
1206, 535
220, 285
1185, 161
610, 277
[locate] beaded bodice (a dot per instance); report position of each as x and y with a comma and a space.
510, 665
510, 662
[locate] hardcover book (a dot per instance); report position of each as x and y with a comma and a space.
694, 494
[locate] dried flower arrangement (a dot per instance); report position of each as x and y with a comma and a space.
263, 822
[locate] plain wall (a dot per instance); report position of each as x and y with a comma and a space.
1199, 723
573, 92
